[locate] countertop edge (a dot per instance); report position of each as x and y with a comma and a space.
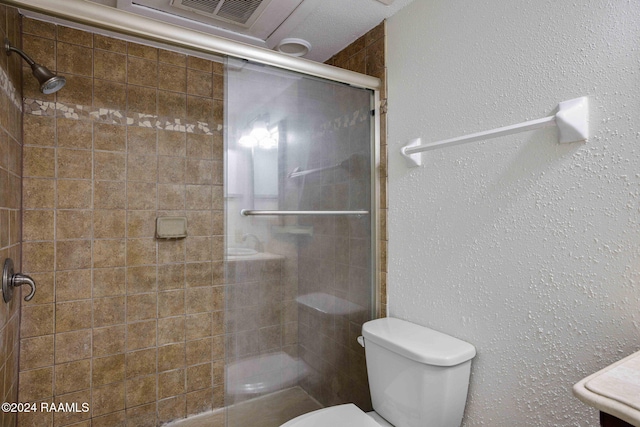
603, 403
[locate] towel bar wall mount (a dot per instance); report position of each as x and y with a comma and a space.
572, 120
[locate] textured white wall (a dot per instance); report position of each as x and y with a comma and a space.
525, 248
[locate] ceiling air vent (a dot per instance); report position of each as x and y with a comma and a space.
240, 12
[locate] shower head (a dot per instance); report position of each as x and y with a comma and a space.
49, 82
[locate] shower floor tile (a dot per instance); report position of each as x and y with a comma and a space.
271, 410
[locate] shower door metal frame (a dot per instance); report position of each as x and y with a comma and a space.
376, 265
108, 18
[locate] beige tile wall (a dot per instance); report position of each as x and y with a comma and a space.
367, 55
10, 199
336, 259
128, 323
255, 327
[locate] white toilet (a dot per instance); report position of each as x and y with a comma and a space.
418, 378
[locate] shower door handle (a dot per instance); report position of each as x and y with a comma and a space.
11, 280
253, 212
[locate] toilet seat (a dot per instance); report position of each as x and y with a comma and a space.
348, 415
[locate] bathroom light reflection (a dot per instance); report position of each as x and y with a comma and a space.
260, 136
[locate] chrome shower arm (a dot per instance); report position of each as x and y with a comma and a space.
8, 48
49, 82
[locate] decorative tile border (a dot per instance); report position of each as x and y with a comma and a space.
347, 120
118, 117
7, 87
129, 118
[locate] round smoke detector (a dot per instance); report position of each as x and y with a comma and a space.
294, 47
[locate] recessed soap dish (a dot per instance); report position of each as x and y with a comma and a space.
171, 227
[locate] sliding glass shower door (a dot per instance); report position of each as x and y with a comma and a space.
299, 242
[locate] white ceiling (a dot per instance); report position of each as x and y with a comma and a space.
329, 25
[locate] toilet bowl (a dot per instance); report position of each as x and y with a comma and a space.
418, 377
341, 415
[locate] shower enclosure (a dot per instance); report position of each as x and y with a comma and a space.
248, 320
299, 264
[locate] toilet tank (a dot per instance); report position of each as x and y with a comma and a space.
418, 377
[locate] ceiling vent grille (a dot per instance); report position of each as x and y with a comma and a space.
242, 12
238, 10
202, 6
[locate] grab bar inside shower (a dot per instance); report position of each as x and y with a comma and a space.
298, 172
252, 212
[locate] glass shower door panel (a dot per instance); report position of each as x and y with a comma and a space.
298, 286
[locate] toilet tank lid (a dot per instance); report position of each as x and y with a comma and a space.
417, 342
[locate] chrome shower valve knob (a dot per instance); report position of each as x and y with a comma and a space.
10, 280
